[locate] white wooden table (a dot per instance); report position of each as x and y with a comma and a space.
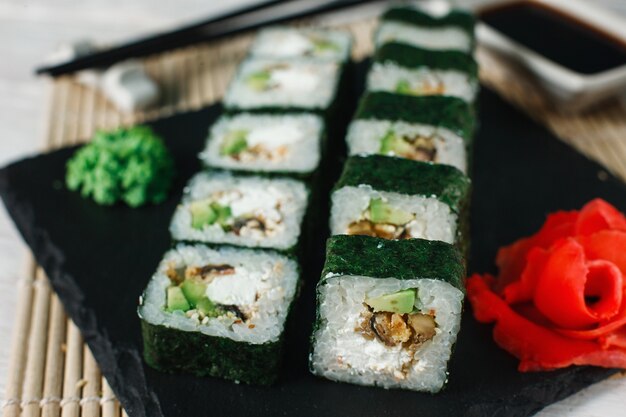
29, 29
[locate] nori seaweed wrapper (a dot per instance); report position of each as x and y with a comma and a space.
384, 173
402, 259
452, 113
413, 57
171, 350
407, 14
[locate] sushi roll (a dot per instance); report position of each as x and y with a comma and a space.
417, 27
284, 84
430, 128
290, 42
388, 312
283, 143
404, 69
394, 198
218, 312
252, 211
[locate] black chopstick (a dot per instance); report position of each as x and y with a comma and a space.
240, 20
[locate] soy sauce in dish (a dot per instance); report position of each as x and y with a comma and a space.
557, 36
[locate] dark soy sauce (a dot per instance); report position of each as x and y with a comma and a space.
557, 36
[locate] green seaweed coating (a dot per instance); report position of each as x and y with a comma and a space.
130, 165
402, 259
413, 57
171, 350
452, 113
405, 176
407, 14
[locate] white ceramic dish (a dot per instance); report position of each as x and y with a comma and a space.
571, 90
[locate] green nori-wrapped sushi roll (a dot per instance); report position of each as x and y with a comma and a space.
218, 312
243, 210
405, 69
395, 198
284, 84
414, 57
388, 312
445, 112
427, 128
417, 27
288, 144
462, 19
291, 42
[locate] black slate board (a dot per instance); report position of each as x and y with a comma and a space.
99, 260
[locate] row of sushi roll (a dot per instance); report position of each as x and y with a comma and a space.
219, 301
390, 297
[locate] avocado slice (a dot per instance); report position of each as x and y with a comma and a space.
202, 214
194, 290
381, 212
321, 45
401, 302
234, 142
176, 300
259, 80
403, 87
223, 213
390, 143
208, 308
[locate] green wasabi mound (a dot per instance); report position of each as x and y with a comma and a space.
130, 165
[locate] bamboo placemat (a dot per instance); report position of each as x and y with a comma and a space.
52, 371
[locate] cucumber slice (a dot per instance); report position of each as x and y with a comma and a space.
381, 212
194, 291
202, 214
208, 308
403, 87
223, 213
392, 144
322, 45
401, 302
176, 300
234, 142
259, 80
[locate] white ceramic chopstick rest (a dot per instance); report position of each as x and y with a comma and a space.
128, 86
125, 84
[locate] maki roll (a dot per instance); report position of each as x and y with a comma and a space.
283, 83
289, 42
393, 198
218, 312
430, 128
417, 27
388, 312
285, 143
219, 207
405, 69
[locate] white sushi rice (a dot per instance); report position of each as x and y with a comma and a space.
263, 285
444, 38
342, 354
385, 77
364, 137
282, 201
297, 136
434, 220
302, 83
289, 42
